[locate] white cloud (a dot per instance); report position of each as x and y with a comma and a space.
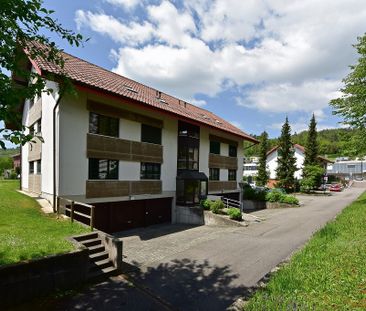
132, 33
237, 124
166, 68
127, 4
294, 53
198, 102
310, 96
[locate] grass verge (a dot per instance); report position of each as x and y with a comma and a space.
27, 233
328, 274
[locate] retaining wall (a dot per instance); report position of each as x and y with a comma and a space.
24, 281
189, 215
254, 205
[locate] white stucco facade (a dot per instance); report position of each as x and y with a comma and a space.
272, 163
72, 126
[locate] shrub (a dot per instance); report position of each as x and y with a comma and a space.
205, 204
234, 213
275, 196
278, 196
290, 199
254, 194
217, 206
306, 185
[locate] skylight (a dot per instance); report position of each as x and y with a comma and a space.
129, 88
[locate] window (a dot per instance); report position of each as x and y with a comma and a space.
32, 129
188, 158
103, 125
150, 134
214, 147
39, 126
188, 146
233, 151
31, 167
232, 174
39, 167
103, 169
214, 174
188, 130
150, 170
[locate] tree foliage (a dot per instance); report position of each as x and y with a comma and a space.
263, 174
352, 104
22, 23
5, 164
331, 142
286, 159
311, 147
312, 177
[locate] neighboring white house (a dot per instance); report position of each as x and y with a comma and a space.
250, 169
272, 164
132, 151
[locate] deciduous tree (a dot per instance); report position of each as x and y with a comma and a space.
23, 22
351, 105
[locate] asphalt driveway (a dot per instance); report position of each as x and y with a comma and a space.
207, 268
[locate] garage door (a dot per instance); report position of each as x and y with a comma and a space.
119, 216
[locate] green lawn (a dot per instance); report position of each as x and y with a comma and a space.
328, 274
25, 232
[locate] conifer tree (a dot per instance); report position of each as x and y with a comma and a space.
286, 159
311, 148
263, 175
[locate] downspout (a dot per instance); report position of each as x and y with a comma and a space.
20, 168
54, 152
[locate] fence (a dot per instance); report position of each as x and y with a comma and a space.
73, 212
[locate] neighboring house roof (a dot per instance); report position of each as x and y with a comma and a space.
302, 149
95, 77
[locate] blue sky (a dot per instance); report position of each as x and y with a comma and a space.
252, 62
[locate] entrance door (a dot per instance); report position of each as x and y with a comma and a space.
192, 191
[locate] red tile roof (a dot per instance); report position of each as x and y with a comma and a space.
302, 148
90, 75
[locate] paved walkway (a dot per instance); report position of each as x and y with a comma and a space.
207, 268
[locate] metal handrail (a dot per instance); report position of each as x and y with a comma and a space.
232, 203
72, 211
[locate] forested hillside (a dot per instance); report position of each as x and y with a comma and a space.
332, 143
8, 152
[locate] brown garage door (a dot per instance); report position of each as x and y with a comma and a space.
118, 216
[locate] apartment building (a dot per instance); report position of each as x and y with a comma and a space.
131, 150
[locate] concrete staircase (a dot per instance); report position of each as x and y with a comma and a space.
100, 265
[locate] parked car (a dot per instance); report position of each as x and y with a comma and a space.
336, 188
359, 178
